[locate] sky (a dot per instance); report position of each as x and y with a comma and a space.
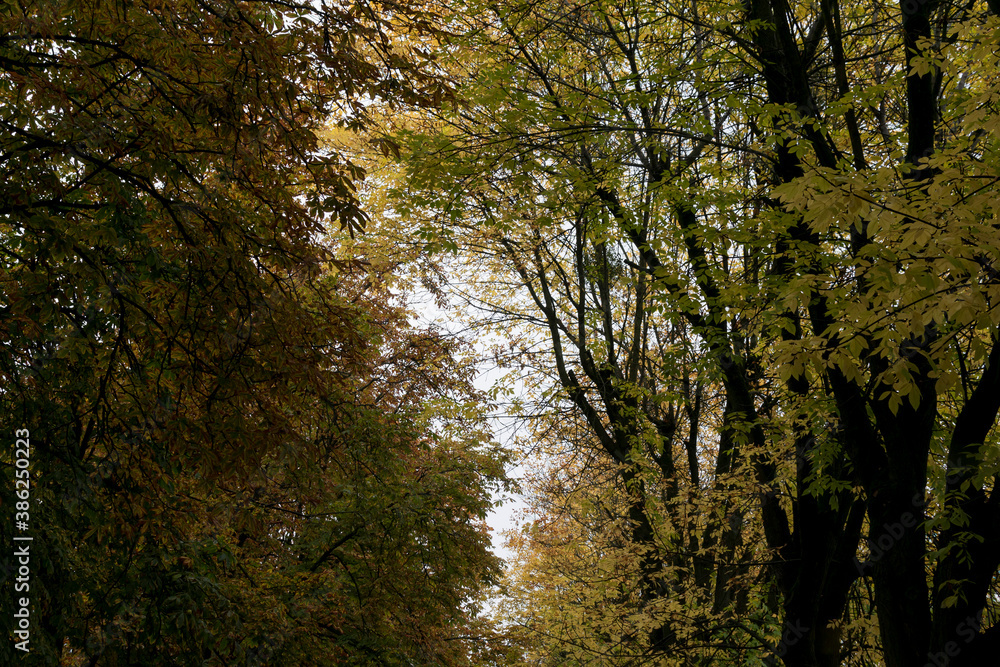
504, 516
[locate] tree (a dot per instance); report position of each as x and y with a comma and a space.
241, 451
793, 204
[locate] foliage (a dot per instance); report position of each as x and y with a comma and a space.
749, 250
241, 451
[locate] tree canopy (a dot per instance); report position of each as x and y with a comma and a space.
743, 257
749, 250
242, 451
